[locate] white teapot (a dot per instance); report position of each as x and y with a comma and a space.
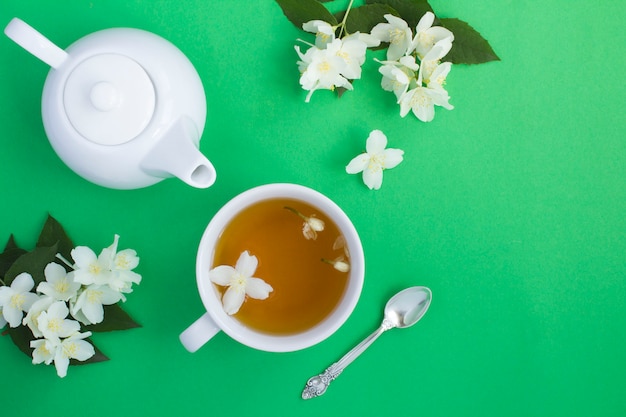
123, 108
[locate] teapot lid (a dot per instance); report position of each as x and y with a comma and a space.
109, 99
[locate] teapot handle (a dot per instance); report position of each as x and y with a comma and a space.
35, 43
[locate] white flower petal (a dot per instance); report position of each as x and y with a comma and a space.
83, 256
258, 289
84, 351
425, 22
246, 264
61, 362
58, 310
94, 312
75, 347
126, 259
441, 33
23, 283
108, 296
376, 142
233, 299
358, 164
373, 178
54, 272
315, 223
12, 315
393, 157
221, 275
29, 299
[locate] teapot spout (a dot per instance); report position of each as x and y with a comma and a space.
176, 154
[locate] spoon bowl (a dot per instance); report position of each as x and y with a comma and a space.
408, 306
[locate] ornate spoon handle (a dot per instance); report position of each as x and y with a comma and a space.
318, 384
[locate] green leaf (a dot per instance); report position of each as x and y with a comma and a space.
97, 357
53, 233
115, 318
302, 11
21, 337
409, 10
11, 243
9, 256
469, 47
32, 262
364, 18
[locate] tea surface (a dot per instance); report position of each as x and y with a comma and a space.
306, 289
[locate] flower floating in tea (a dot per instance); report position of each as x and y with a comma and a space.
240, 282
59, 300
375, 160
339, 264
311, 224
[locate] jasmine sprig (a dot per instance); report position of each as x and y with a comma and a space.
47, 305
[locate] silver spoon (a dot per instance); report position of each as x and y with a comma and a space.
403, 310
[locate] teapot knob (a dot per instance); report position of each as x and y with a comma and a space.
104, 96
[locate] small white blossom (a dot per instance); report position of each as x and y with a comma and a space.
375, 160
53, 323
396, 78
44, 350
324, 32
32, 316
427, 35
419, 87
111, 268
17, 298
433, 59
397, 33
438, 77
422, 101
311, 224
339, 264
240, 282
61, 351
352, 51
58, 284
122, 275
332, 62
322, 69
88, 307
89, 268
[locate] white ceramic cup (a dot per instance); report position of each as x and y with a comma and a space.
215, 319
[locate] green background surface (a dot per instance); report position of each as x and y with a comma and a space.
510, 208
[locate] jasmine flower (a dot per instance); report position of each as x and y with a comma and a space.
240, 282
375, 160
17, 298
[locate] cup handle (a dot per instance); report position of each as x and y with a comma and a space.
200, 332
